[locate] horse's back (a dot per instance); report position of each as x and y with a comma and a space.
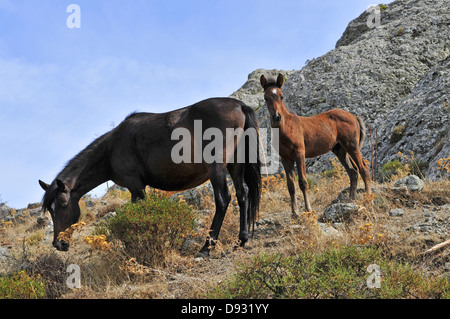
339, 115
219, 113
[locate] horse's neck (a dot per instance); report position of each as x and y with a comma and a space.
291, 128
87, 179
291, 120
88, 169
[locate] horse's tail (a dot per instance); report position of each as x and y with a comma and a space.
252, 170
362, 131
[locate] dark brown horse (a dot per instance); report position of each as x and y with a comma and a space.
305, 137
140, 152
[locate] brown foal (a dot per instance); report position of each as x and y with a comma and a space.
306, 137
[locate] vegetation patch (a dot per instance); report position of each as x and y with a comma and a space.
151, 227
397, 133
20, 285
335, 273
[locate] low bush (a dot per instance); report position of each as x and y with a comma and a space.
335, 273
20, 285
390, 169
150, 228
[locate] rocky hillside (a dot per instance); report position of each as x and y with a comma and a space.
396, 76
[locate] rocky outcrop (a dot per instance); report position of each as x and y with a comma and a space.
395, 76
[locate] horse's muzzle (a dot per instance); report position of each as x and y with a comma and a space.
61, 245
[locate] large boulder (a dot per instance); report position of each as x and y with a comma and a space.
411, 183
4, 211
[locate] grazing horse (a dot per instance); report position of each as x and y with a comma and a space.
306, 137
140, 151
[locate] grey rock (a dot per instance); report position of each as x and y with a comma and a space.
447, 267
396, 212
108, 216
18, 218
339, 212
412, 183
328, 230
4, 253
194, 196
4, 211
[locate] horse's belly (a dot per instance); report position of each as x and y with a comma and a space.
178, 178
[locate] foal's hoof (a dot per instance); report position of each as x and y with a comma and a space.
294, 216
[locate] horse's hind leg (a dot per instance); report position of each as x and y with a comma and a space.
222, 198
137, 194
341, 154
362, 168
237, 174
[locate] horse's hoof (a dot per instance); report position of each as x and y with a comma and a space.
202, 254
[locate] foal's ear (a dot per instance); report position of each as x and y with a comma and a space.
61, 185
263, 81
280, 80
44, 186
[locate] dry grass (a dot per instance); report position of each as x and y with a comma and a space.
110, 273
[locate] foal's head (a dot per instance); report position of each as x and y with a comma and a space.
274, 98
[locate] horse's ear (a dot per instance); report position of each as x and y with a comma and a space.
263, 81
61, 185
280, 80
44, 186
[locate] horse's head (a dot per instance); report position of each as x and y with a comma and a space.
274, 98
63, 209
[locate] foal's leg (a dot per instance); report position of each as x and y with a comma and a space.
237, 174
222, 198
290, 178
362, 167
302, 181
341, 154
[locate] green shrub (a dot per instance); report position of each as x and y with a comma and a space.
152, 227
21, 286
335, 273
390, 169
397, 133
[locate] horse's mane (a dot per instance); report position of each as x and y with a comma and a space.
78, 163
73, 168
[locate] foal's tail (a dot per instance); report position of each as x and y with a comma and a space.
252, 170
362, 131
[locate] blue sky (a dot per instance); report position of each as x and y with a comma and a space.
60, 88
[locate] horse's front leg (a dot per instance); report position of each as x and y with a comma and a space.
290, 178
302, 181
222, 198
